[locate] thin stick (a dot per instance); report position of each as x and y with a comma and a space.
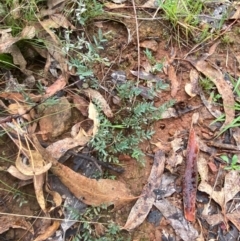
138, 44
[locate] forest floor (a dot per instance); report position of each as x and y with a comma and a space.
119, 121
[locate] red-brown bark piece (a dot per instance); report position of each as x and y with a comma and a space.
190, 177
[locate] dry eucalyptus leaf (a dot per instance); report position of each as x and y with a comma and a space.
95, 95
175, 84
28, 32
38, 181
81, 104
144, 204
36, 166
59, 148
62, 21
16, 173
224, 89
14, 222
48, 232
192, 87
227, 193
176, 219
91, 191
150, 44
19, 97
59, 84
57, 199
93, 115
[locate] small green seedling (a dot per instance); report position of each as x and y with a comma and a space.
233, 163
156, 66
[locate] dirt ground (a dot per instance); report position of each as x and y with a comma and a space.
19, 199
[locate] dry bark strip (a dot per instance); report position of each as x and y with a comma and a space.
190, 177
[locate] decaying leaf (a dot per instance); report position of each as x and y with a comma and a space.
36, 166
226, 193
95, 95
38, 181
93, 115
215, 112
59, 84
180, 225
192, 87
19, 97
150, 44
144, 204
175, 84
190, 177
49, 231
81, 104
216, 76
16, 173
90, 191
14, 222
59, 148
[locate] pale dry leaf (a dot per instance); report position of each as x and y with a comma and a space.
91, 191
33, 168
229, 190
14, 222
202, 167
59, 148
236, 15
180, 225
57, 199
144, 204
175, 84
162, 146
18, 58
150, 44
81, 104
48, 232
231, 185
150, 4
96, 96
7, 40
113, 6
16, 173
234, 218
19, 97
28, 32
47, 24
224, 89
192, 87
217, 196
93, 115
38, 181
214, 219
59, 84
211, 108
62, 21
212, 49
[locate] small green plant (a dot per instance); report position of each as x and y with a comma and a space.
129, 127
233, 162
90, 219
156, 66
84, 55
182, 12
206, 84
87, 10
